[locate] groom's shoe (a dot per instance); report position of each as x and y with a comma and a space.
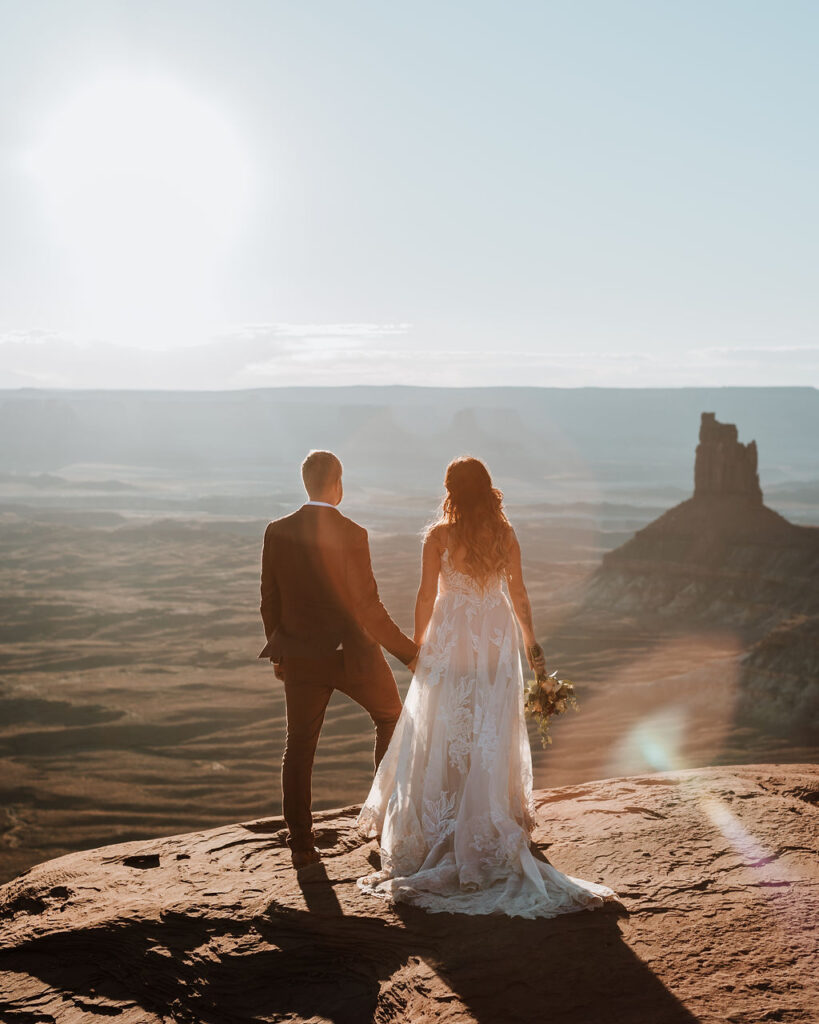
304, 858
538, 854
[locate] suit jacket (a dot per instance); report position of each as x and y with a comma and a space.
319, 593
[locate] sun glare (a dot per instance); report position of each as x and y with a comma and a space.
146, 184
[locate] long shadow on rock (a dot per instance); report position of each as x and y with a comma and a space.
575, 967
353, 970
294, 965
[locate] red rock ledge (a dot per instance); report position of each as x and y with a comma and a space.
718, 869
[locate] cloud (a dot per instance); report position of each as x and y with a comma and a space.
799, 356
284, 354
243, 356
354, 330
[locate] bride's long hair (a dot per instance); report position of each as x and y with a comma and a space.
473, 510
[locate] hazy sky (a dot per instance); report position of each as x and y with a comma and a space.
242, 194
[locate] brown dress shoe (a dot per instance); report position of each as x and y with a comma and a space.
303, 858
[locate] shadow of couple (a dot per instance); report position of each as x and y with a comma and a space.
320, 964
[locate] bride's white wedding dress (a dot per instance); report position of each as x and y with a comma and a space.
452, 797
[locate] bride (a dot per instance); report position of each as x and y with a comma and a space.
452, 797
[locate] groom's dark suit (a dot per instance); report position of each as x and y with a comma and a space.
324, 622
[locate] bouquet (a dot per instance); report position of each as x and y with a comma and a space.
548, 695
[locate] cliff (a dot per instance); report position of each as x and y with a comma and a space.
721, 553
723, 467
717, 869
709, 559
723, 558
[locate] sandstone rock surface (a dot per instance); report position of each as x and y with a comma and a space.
717, 869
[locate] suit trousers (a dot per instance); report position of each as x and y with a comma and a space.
308, 686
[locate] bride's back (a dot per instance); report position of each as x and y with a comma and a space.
455, 558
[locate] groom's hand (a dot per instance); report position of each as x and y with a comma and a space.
278, 671
411, 664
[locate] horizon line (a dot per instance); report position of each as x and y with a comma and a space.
29, 388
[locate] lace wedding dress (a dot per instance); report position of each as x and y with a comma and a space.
452, 797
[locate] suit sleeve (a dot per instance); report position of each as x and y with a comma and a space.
367, 606
271, 606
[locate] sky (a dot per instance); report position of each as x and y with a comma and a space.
458, 192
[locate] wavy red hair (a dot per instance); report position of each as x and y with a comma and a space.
473, 511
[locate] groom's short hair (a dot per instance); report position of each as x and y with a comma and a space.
318, 470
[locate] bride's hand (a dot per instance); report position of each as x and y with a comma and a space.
536, 659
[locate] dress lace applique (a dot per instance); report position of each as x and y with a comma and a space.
436, 652
406, 856
459, 717
439, 818
484, 837
487, 738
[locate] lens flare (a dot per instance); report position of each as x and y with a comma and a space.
653, 743
733, 830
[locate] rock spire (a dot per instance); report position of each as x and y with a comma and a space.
724, 467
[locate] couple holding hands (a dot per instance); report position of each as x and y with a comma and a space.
451, 800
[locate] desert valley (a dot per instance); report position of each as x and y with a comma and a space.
132, 704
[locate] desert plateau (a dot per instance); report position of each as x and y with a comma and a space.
132, 704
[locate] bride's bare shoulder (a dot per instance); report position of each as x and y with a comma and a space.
437, 535
510, 541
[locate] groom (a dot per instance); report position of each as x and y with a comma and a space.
325, 626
